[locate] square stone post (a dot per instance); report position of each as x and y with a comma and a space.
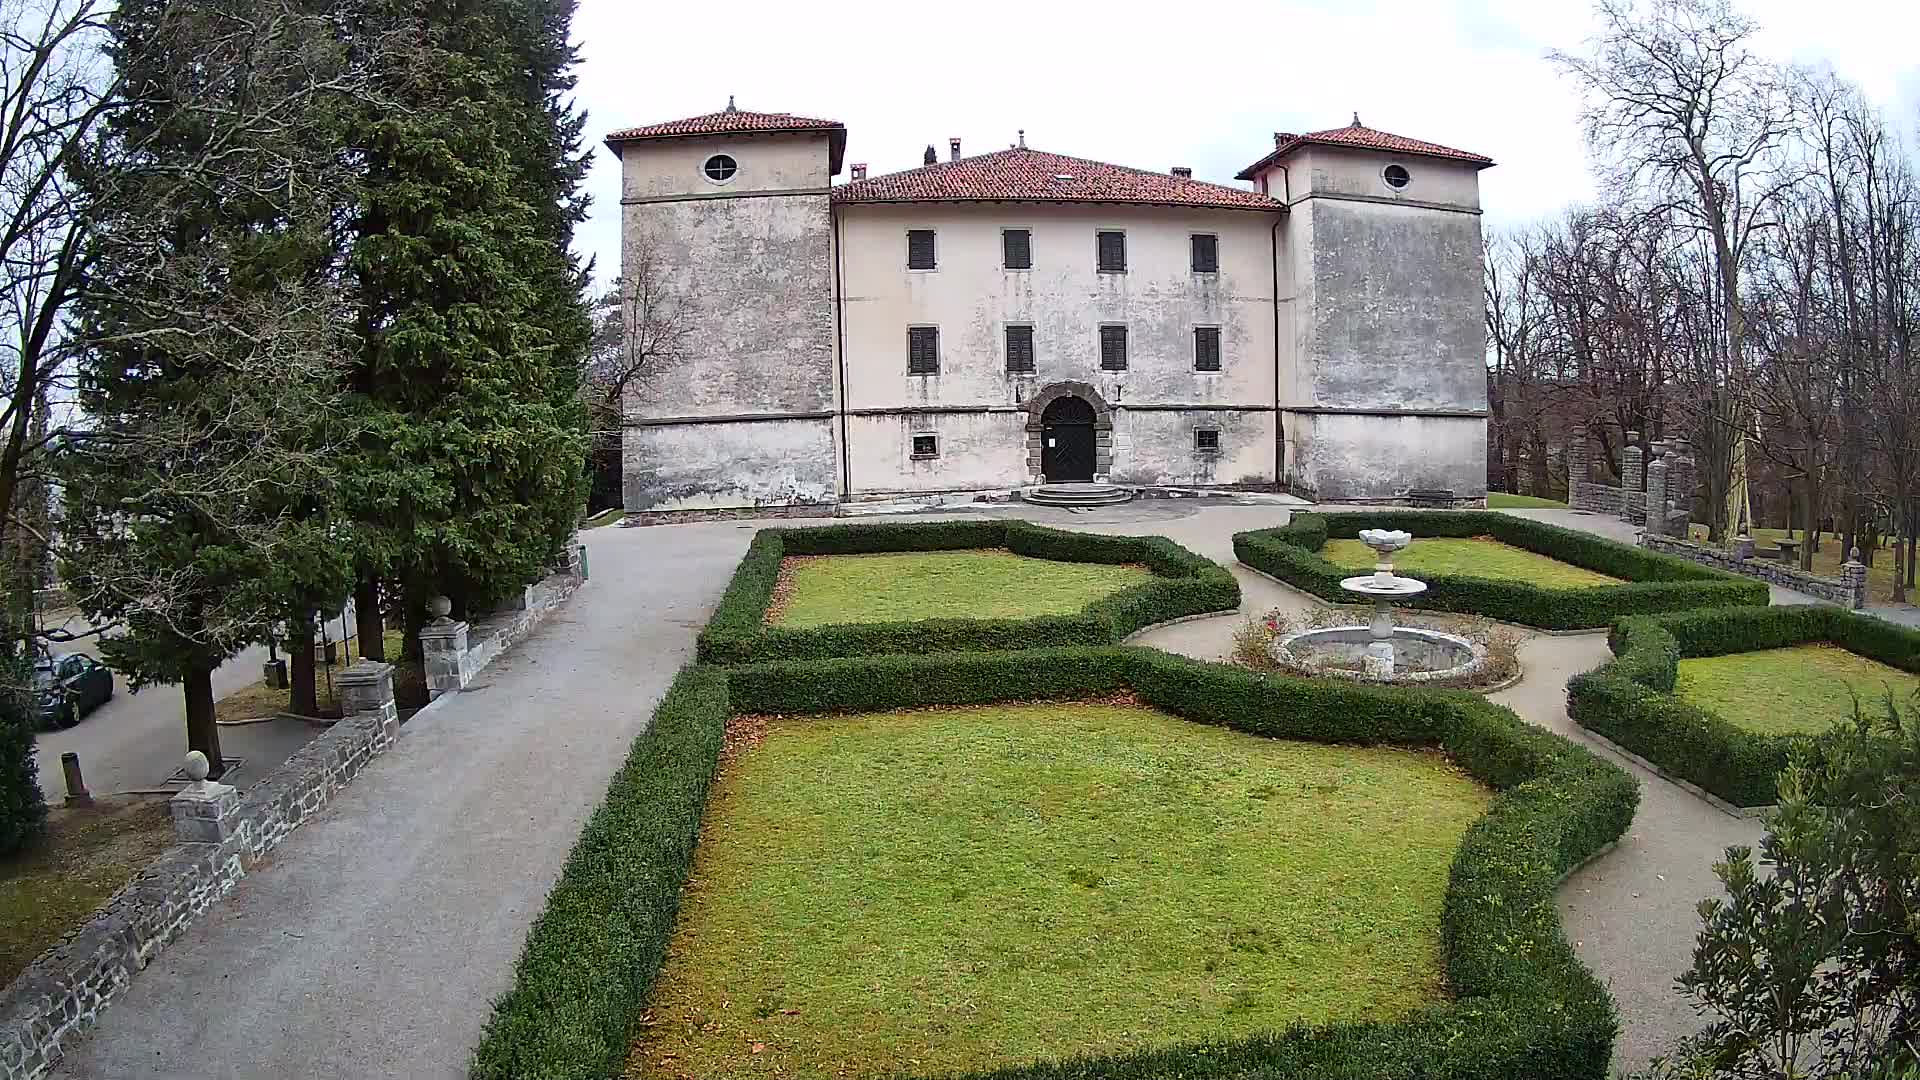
1657, 498
205, 810
1577, 467
366, 689
1633, 481
1854, 573
443, 643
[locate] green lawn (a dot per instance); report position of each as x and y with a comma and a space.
1474, 556
1500, 500
908, 586
929, 891
1802, 689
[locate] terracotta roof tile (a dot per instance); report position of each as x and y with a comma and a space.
1025, 175
1362, 137
727, 121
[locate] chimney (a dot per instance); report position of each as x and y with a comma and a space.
929, 157
860, 171
953, 149
1183, 172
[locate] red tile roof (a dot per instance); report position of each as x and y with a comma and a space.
1361, 137
732, 121
1024, 175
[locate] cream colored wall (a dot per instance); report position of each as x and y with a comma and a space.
1326, 170
766, 162
971, 298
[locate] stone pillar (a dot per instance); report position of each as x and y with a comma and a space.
1743, 546
1657, 498
1681, 479
1854, 573
1633, 499
1577, 467
366, 689
443, 642
204, 811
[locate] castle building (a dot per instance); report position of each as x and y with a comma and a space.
986, 323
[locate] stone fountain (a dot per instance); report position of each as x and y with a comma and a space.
1381, 651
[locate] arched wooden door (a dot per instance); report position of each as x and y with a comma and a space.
1066, 441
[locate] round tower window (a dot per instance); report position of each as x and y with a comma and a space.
720, 168
1396, 176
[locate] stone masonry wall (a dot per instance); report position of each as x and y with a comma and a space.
1849, 591
454, 652
64, 991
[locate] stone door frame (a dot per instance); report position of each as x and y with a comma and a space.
1102, 427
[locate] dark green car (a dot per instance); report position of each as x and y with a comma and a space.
67, 688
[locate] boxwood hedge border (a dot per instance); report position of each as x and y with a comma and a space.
1631, 700
1653, 582
1183, 584
1523, 1005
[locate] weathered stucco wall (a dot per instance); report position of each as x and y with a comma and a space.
753, 276
1337, 456
979, 451
1155, 448
709, 466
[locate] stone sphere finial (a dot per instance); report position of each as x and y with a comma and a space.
439, 606
197, 766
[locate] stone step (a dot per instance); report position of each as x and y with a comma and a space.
1077, 495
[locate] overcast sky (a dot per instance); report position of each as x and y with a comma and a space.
1205, 89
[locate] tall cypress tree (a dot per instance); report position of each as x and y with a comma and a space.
196, 501
469, 477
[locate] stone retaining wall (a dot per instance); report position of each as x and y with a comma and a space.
226, 833
454, 652
1848, 590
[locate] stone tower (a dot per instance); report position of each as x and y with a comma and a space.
728, 214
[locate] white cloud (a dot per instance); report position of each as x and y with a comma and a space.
1205, 90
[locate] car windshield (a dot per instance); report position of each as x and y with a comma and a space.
43, 676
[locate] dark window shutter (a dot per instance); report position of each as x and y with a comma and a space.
1206, 441
923, 350
1113, 348
1017, 247
919, 249
1206, 348
1020, 348
1206, 254
1112, 247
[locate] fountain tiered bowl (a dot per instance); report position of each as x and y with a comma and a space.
1381, 651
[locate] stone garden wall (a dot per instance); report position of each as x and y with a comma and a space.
1849, 590
224, 834
454, 652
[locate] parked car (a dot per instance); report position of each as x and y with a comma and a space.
69, 687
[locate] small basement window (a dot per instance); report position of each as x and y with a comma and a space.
1206, 440
1113, 348
923, 350
1016, 249
926, 446
1020, 350
1206, 348
920, 249
720, 168
1206, 253
1396, 176
1111, 249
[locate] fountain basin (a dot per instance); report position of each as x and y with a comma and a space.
1418, 655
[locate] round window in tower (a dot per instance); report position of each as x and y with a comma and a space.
1396, 177
720, 168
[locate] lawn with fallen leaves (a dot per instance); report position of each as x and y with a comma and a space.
962, 888
823, 590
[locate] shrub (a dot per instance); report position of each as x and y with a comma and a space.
581, 982
1631, 700
1523, 1006
1653, 582
1183, 584
23, 811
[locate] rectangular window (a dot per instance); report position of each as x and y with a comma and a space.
1206, 253
1020, 349
1113, 348
1206, 440
923, 350
1112, 251
926, 446
1206, 348
1016, 249
919, 249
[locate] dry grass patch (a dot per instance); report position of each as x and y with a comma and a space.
88, 855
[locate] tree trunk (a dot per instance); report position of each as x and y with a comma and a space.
368, 625
303, 697
202, 734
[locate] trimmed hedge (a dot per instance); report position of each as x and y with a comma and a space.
1630, 700
1654, 582
1183, 584
1523, 1006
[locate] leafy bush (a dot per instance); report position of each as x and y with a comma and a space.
582, 980
23, 811
1523, 1006
1183, 584
1653, 582
1631, 700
